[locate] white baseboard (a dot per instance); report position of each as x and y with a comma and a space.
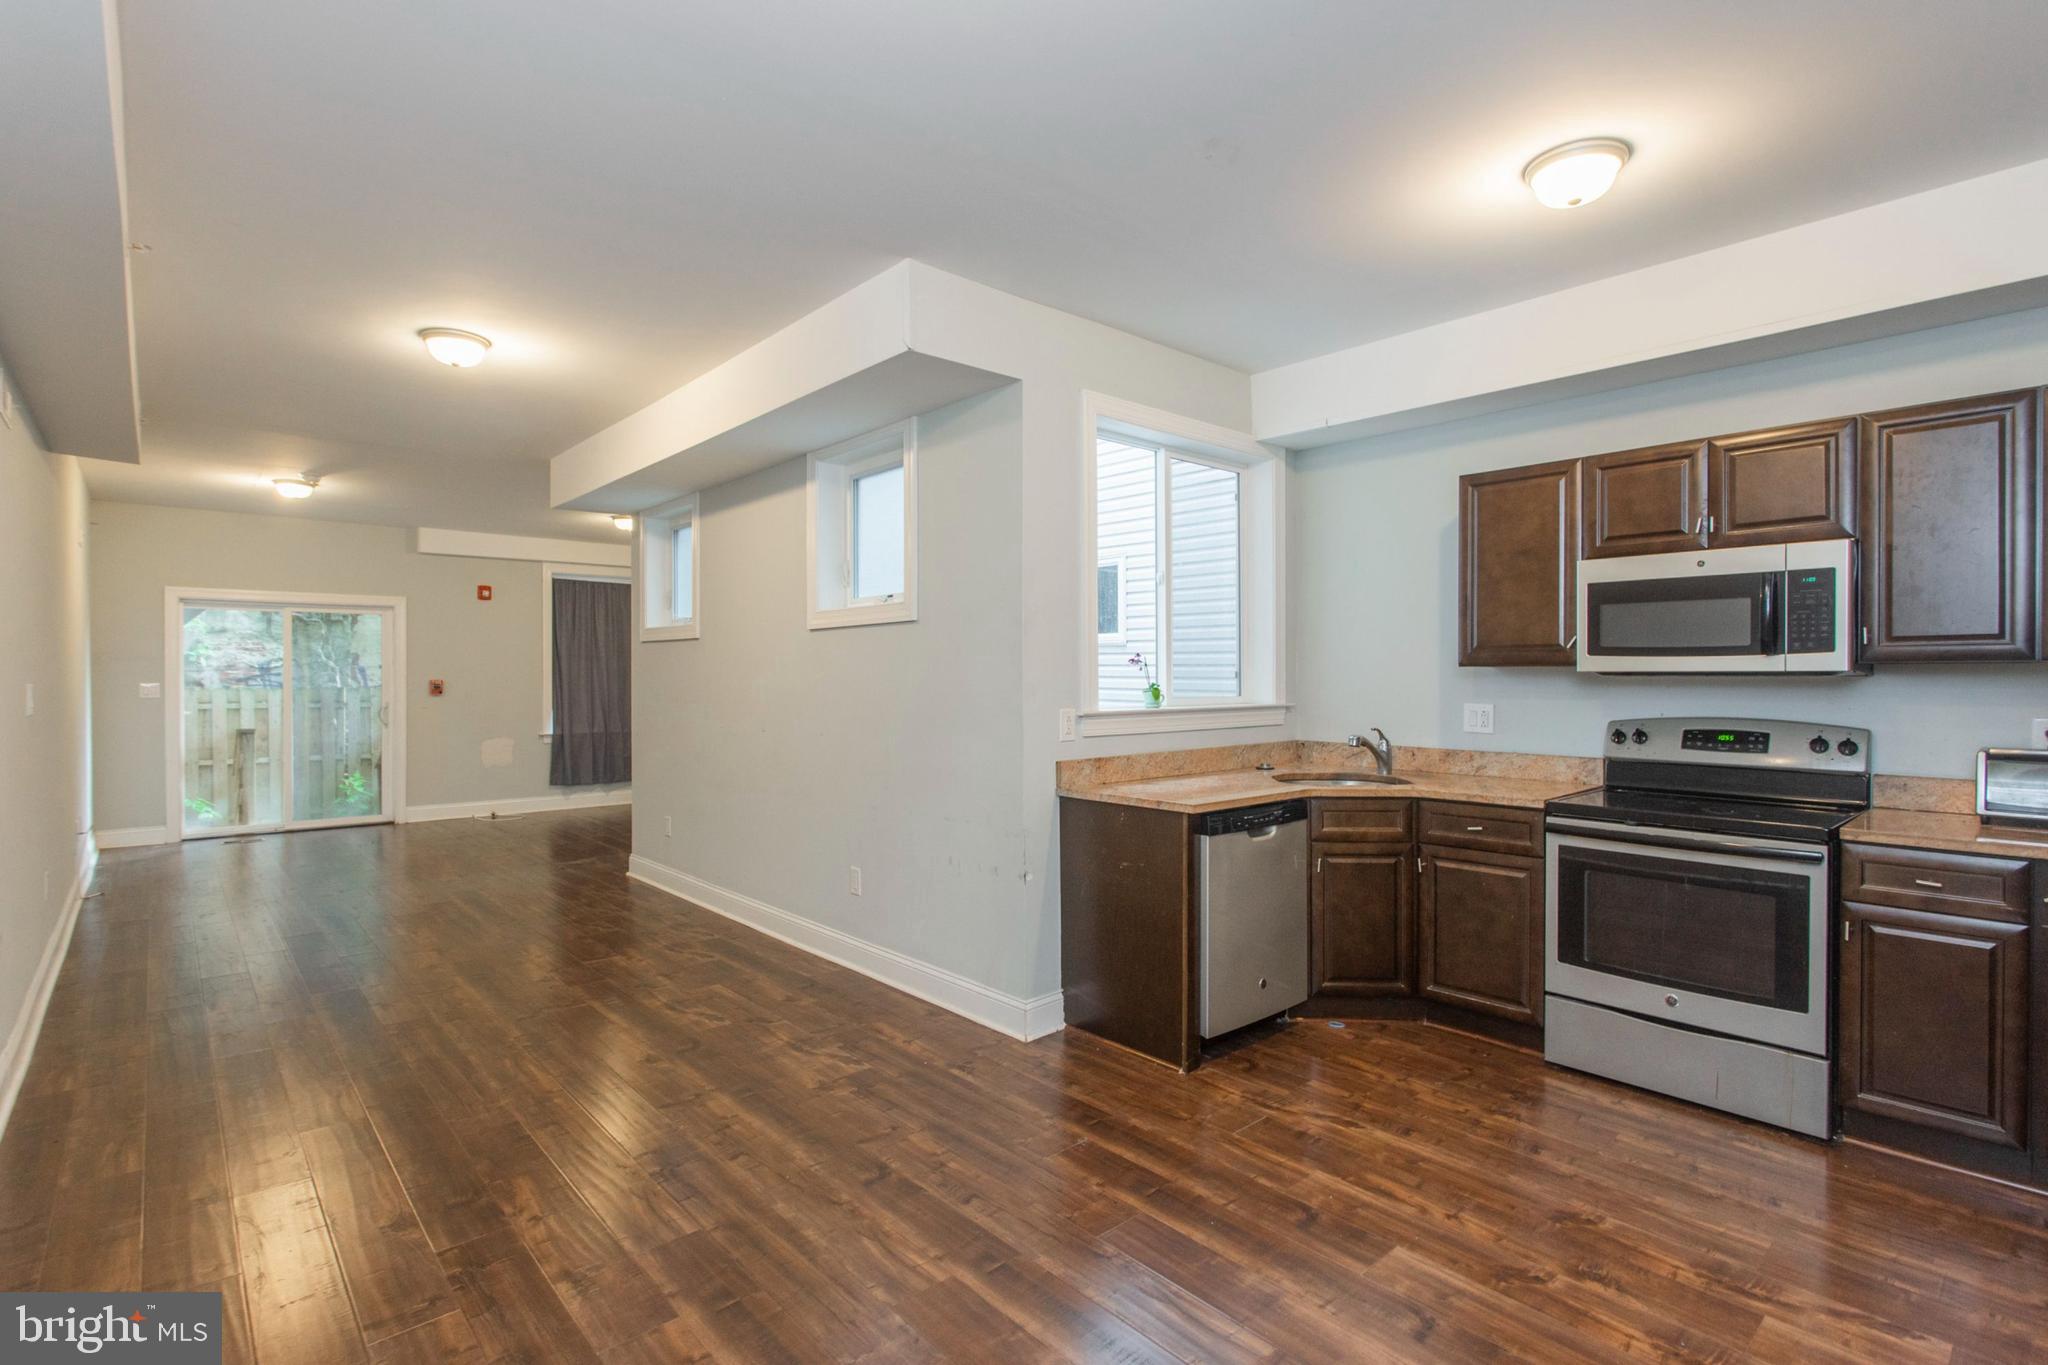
1005, 1013
140, 837
521, 805
28, 1023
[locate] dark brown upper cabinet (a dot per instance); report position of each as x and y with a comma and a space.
1791, 483
1951, 529
1518, 552
1649, 501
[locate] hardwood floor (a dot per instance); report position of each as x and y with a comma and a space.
460, 1092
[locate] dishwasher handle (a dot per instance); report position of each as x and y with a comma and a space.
1252, 819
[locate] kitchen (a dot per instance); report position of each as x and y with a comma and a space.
1754, 914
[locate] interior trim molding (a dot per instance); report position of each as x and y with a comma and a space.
28, 1024
1005, 1013
519, 805
141, 836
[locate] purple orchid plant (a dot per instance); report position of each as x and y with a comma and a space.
1154, 694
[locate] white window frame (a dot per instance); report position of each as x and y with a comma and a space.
654, 538
1262, 559
829, 475
1123, 600
596, 573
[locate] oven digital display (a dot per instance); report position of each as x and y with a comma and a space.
1728, 741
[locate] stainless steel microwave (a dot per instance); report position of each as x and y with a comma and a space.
1753, 609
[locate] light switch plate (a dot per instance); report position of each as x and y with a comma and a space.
1478, 717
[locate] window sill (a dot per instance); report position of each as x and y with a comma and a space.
1169, 719
875, 614
682, 630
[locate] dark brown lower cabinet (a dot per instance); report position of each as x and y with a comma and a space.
1362, 926
1934, 1022
1480, 944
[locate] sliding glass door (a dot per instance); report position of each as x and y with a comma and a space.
283, 715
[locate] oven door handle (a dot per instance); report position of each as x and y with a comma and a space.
1634, 834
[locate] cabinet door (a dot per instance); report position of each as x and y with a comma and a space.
1795, 483
1518, 556
1934, 1021
1362, 925
1642, 502
1481, 940
1951, 528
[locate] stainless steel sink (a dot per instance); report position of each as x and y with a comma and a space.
1342, 779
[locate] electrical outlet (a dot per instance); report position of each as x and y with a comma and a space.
1069, 719
1478, 717
853, 881
2038, 736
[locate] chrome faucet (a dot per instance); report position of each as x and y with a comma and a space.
1382, 749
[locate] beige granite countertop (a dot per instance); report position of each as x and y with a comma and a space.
1946, 831
1189, 784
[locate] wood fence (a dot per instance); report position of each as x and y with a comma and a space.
233, 736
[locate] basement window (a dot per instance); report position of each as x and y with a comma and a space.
671, 551
1183, 574
862, 513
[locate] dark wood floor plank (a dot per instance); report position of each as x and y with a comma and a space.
393, 1278
297, 1300
188, 1217
460, 1092
256, 1122
511, 1306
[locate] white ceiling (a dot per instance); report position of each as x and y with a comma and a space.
622, 194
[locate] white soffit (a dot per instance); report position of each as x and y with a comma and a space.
844, 369
431, 540
66, 325
1968, 250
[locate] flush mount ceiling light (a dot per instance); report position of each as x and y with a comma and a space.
1576, 173
623, 523
301, 487
452, 347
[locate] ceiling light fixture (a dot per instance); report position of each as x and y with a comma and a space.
452, 347
623, 523
1576, 173
301, 487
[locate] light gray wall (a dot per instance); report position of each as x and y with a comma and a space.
1374, 538
43, 802
784, 756
487, 652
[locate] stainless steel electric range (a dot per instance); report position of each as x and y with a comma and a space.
1689, 908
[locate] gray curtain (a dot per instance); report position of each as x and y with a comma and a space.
593, 683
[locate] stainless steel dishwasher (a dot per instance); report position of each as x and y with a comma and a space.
1254, 883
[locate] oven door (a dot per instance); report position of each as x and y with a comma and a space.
1710, 611
1722, 934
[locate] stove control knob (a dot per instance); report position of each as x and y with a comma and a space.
1641, 736
1619, 736
1848, 748
1819, 744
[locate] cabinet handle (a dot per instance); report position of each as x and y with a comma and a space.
1922, 881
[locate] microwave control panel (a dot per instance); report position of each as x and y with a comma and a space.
1810, 611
